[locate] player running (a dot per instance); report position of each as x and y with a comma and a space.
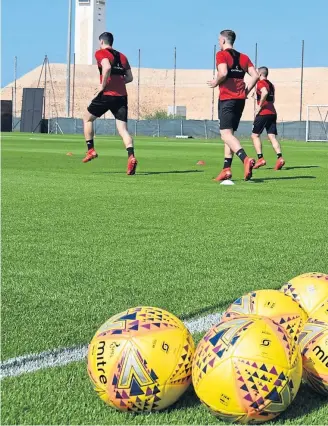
266, 118
232, 67
115, 73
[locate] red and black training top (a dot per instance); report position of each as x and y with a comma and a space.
233, 86
268, 106
115, 84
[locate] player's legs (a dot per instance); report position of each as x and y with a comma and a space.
277, 148
230, 115
272, 132
88, 121
258, 148
258, 127
119, 109
226, 171
122, 129
89, 136
127, 139
98, 106
275, 143
230, 112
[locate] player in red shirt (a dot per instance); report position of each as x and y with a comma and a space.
232, 67
266, 118
115, 73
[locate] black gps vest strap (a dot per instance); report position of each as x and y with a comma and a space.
271, 93
236, 70
117, 67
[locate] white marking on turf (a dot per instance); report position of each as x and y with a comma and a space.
62, 356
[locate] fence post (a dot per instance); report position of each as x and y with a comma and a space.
307, 125
205, 127
158, 129
283, 130
135, 128
181, 128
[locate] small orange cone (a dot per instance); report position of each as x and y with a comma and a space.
70, 154
201, 163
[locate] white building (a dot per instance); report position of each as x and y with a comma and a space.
90, 22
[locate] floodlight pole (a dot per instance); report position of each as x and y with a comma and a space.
69, 48
256, 68
213, 91
302, 73
15, 85
174, 81
138, 93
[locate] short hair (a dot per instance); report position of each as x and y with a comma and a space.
229, 35
108, 38
264, 71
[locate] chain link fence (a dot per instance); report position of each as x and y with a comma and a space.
200, 129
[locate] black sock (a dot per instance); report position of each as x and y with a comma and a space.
227, 163
130, 151
241, 154
279, 155
259, 156
90, 144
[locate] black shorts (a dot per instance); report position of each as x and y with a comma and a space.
117, 105
267, 122
230, 112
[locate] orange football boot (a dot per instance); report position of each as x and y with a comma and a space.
132, 165
260, 163
91, 154
279, 164
224, 175
248, 168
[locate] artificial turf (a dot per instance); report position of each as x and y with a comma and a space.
81, 242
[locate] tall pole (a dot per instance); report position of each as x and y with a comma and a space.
73, 95
302, 72
46, 64
256, 68
214, 68
174, 80
139, 64
15, 85
69, 48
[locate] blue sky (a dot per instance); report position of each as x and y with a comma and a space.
33, 28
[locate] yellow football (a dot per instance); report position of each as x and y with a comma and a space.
140, 360
271, 304
314, 347
245, 370
309, 290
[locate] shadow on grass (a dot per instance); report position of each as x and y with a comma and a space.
301, 167
217, 307
306, 402
282, 178
170, 172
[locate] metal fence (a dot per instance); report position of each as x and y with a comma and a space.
202, 129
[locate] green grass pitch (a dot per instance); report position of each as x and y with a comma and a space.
81, 242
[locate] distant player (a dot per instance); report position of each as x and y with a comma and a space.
266, 118
232, 67
115, 73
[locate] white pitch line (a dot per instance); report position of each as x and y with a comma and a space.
63, 356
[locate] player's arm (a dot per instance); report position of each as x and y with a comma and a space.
106, 70
253, 80
220, 76
264, 95
128, 77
